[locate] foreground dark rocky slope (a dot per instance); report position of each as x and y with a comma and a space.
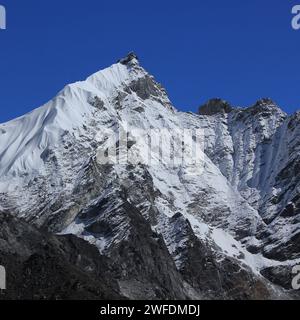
44, 266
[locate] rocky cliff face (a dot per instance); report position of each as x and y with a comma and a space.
257, 149
220, 226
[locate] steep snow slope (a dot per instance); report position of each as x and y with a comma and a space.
52, 175
24, 140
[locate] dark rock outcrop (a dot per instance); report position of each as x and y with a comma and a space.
131, 56
215, 106
44, 266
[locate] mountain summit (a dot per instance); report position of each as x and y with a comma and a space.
130, 58
225, 225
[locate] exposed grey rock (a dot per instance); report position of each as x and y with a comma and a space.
131, 56
44, 266
214, 106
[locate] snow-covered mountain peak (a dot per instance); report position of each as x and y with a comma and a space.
117, 75
245, 177
23, 141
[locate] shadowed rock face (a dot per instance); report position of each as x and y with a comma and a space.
214, 276
215, 106
126, 60
144, 267
44, 266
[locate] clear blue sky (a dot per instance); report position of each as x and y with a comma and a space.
237, 50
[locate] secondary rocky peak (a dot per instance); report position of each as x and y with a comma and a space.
214, 106
131, 57
265, 102
265, 106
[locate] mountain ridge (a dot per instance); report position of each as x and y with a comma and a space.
236, 205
